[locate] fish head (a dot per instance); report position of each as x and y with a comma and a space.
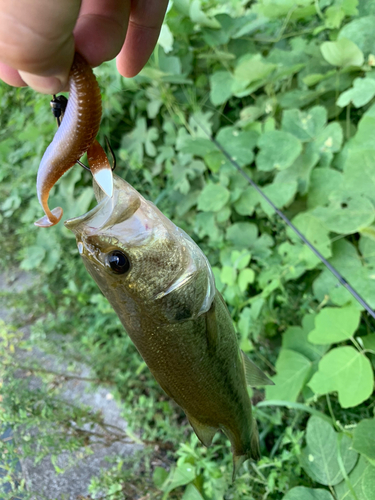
139, 258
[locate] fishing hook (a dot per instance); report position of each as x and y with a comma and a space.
112, 153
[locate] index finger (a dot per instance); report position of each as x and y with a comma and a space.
146, 18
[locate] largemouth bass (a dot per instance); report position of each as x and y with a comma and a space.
162, 288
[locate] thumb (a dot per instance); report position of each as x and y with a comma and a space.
36, 38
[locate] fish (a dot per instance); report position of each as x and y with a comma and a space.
161, 285
75, 136
158, 281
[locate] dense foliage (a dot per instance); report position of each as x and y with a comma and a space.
287, 88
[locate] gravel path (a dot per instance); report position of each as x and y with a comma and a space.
41, 479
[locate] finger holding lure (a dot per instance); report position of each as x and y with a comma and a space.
78, 122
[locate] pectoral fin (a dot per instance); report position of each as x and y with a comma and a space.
254, 375
204, 432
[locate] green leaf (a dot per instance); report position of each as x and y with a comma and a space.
277, 150
323, 182
319, 458
301, 169
191, 493
360, 181
367, 247
303, 493
199, 146
198, 16
251, 68
347, 261
280, 193
368, 483
228, 275
221, 87
296, 338
240, 260
304, 125
245, 278
293, 370
364, 438
298, 98
169, 65
213, 198
361, 32
316, 233
361, 93
329, 140
181, 475
362, 482
346, 213
242, 234
205, 225
247, 202
334, 16
366, 8
369, 342
335, 324
239, 144
166, 38
159, 476
346, 371
342, 52
139, 139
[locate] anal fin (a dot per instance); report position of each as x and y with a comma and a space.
254, 375
204, 432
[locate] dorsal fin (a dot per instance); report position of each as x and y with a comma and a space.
254, 375
204, 432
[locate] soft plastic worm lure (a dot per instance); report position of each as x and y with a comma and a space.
79, 127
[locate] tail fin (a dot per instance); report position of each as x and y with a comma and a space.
255, 447
238, 460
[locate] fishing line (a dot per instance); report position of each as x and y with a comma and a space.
333, 270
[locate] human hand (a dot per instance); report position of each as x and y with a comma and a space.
38, 38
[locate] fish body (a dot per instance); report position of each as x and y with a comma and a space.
162, 288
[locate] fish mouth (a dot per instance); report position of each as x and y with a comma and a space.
109, 211
93, 220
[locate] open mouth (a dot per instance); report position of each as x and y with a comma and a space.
95, 218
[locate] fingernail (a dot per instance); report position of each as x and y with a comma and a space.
43, 84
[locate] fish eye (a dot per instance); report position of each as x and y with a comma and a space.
118, 262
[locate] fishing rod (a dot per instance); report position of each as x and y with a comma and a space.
329, 266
